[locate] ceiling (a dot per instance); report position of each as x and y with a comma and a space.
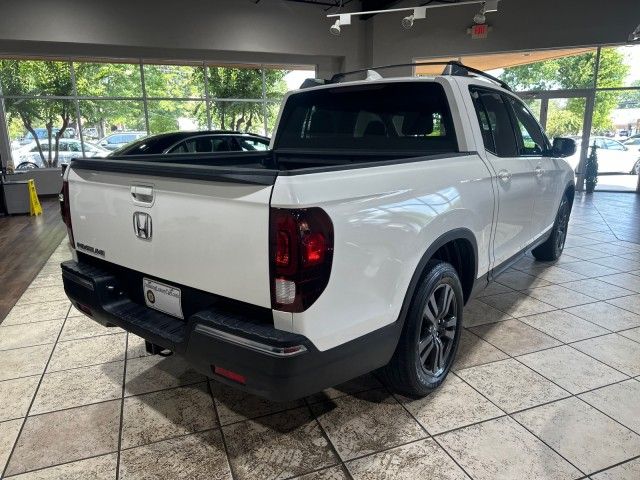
365, 4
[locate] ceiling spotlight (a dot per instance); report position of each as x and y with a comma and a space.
479, 18
407, 22
335, 28
418, 14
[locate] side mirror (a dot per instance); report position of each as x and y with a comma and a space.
563, 147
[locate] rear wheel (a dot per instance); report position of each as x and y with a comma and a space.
636, 168
431, 333
552, 248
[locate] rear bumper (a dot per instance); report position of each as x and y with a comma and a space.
276, 365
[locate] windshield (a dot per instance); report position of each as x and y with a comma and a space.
391, 117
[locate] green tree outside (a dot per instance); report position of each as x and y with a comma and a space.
117, 90
574, 72
238, 83
39, 79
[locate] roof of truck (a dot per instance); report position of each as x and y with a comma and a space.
450, 69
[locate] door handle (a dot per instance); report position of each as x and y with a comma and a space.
142, 194
504, 175
539, 171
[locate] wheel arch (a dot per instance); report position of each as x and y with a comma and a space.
448, 246
570, 191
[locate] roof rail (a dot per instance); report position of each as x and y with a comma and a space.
451, 67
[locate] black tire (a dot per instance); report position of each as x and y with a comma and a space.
27, 166
415, 368
552, 248
636, 169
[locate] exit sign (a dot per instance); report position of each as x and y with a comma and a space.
479, 31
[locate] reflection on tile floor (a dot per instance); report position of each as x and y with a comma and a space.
546, 385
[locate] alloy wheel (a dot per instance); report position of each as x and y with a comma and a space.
438, 330
562, 226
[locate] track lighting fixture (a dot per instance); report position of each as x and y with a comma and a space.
417, 13
479, 18
343, 19
335, 28
407, 22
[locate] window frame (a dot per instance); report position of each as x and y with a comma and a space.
494, 91
546, 148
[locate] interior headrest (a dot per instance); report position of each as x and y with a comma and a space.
418, 123
321, 123
375, 128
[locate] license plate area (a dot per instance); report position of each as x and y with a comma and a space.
162, 297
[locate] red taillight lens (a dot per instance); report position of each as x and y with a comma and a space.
283, 249
301, 257
65, 210
313, 249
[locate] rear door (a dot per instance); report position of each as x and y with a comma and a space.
513, 174
206, 234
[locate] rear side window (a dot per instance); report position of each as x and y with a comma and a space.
495, 122
393, 117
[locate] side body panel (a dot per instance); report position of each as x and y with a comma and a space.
384, 220
517, 210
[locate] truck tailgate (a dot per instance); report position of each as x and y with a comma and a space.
210, 234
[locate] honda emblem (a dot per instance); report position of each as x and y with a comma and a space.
142, 225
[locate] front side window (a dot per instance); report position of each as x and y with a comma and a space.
385, 117
495, 122
531, 139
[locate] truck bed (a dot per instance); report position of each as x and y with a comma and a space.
259, 168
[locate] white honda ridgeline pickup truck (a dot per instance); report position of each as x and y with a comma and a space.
352, 244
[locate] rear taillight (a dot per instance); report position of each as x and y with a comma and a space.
301, 249
65, 210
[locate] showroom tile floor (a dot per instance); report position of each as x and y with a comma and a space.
546, 385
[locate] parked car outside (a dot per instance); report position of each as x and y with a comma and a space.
42, 134
90, 133
29, 156
115, 140
350, 245
207, 141
632, 142
613, 156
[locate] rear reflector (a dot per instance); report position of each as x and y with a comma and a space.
236, 377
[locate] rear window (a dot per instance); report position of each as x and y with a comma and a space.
393, 117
